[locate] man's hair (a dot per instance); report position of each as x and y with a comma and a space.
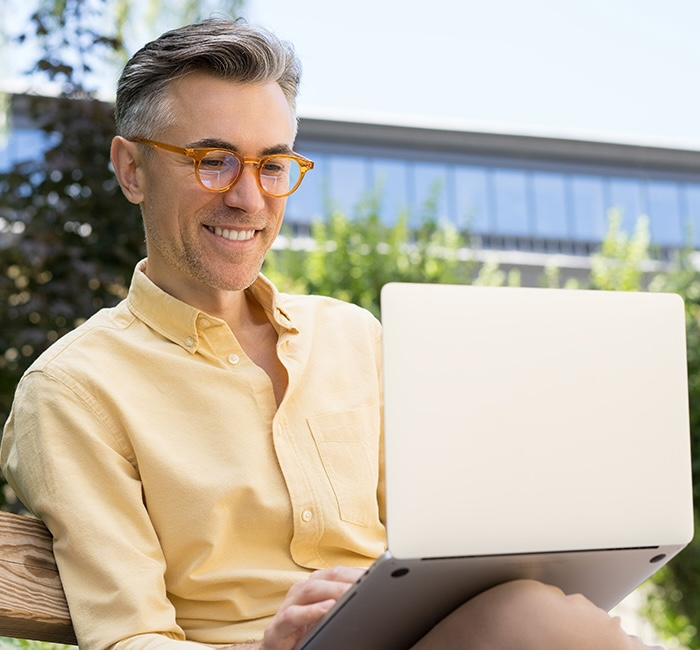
227, 49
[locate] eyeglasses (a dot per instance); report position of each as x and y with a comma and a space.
218, 170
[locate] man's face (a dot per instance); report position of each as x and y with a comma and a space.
201, 243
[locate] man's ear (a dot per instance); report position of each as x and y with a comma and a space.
128, 167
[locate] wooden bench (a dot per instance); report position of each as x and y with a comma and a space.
32, 602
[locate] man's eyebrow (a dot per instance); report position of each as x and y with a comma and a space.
215, 143
280, 148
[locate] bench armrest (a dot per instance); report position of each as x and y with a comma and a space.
32, 602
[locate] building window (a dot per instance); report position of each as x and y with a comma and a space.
691, 213
389, 180
626, 196
472, 211
511, 202
664, 213
347, 182
306, 204
550, 207
590, 219
431, 193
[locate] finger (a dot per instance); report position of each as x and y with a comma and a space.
315, 590
291, 623
306, 603
345, 574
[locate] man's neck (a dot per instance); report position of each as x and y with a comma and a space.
245, 316
231, 306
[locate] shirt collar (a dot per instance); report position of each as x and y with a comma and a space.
177, 321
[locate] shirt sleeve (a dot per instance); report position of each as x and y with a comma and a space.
72, 471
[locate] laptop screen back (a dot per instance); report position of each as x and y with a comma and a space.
534, 420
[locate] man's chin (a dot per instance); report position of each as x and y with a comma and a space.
235, 281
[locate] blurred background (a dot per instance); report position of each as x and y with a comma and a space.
546, 143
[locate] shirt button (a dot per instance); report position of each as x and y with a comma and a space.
204, 322
233, 359
189, 341
307, 515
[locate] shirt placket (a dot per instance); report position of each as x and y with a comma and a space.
297, 461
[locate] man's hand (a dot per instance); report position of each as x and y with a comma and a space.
305, 603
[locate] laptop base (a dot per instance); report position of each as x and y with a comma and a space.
398, 601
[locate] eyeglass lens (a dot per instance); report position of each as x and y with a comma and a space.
278, 174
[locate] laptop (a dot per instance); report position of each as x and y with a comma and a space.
529, 433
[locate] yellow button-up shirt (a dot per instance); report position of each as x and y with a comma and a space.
182, 501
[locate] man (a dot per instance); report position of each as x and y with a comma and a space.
207, 453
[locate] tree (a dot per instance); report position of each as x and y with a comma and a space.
87, 40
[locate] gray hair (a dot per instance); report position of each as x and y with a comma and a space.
227, 49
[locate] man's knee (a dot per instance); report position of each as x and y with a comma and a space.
514, 607
532, 611
527, 614
494, 618
522, 593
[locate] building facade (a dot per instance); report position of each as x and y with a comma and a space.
525, 200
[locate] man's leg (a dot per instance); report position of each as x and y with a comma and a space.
527, 615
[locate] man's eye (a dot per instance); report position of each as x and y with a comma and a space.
274, 167
213, 162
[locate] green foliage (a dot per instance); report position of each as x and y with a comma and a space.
69, 241
84, 42
7, 643
353, 258
670, 600
619, 265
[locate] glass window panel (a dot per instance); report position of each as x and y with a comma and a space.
665, 222
389, 178
306, 204
471, 197
511, 202
22, 145
692, 213
625, 194
590, 219
347, 182
549, 196
430, 182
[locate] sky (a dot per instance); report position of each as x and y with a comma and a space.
604, 69
620, 70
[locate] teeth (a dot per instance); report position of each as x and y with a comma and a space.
234, 235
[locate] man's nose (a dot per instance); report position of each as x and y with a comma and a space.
246, 193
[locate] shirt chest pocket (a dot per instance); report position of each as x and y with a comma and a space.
348, 444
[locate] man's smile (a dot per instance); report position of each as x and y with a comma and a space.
232, 234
